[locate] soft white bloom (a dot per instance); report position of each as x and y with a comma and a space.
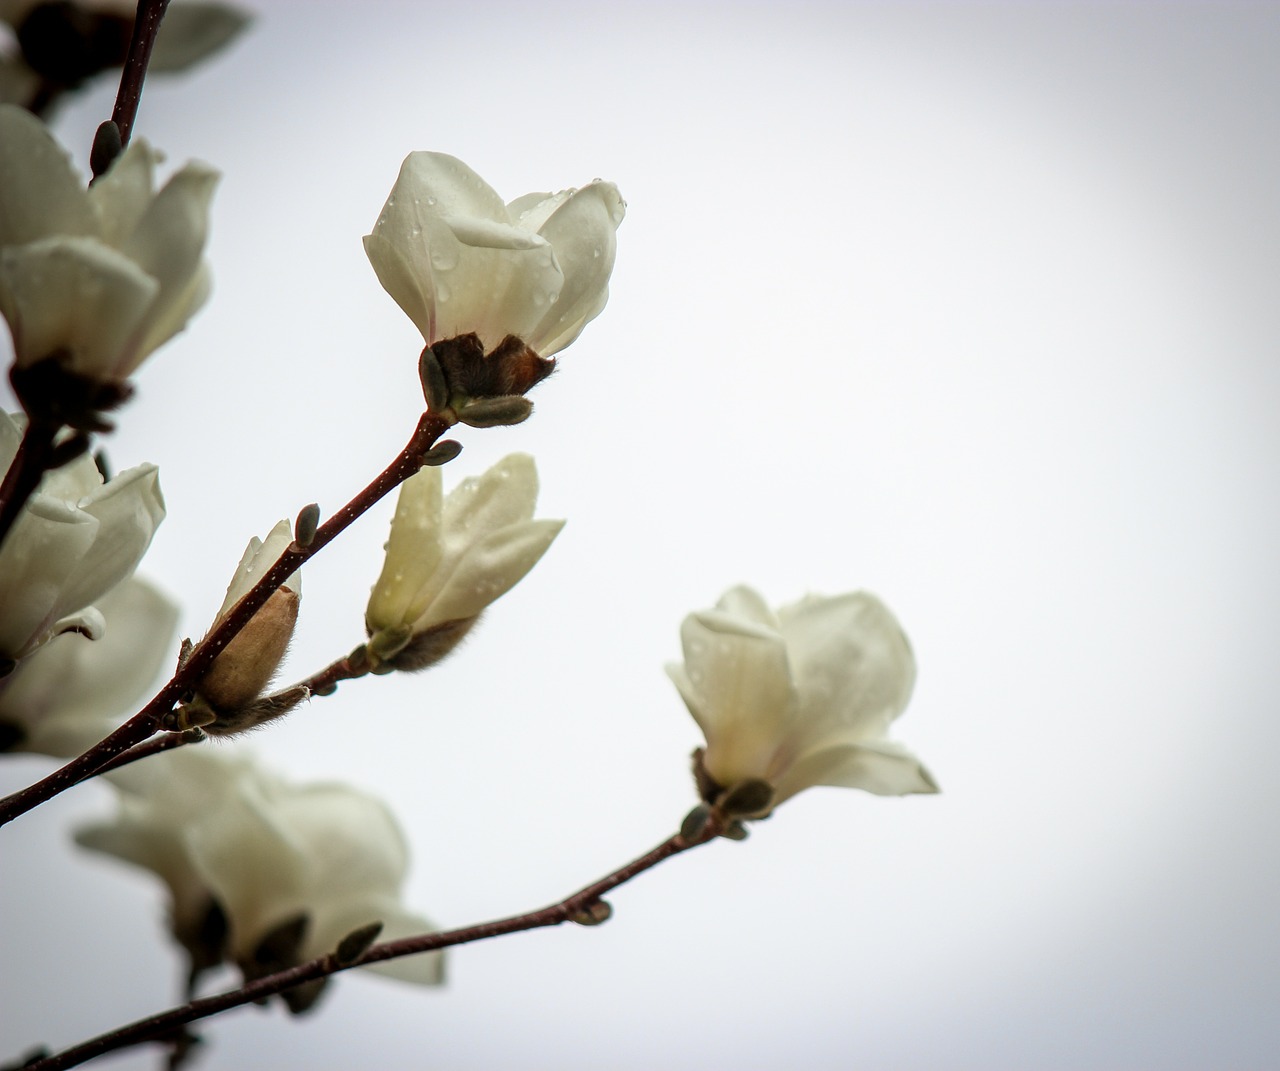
70, 693
98, 277
801, 697
319, 860
449, 558
76, 539
162, 798
457, 260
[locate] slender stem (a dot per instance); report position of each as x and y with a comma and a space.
164, 1024
154, 746
147, 721
35, 452
146, 25
349, 667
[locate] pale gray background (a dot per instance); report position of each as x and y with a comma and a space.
973, 306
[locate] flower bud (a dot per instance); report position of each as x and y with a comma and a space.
244, 668
449, 558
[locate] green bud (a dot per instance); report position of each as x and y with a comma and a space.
357, 943
435, 389
594, 914
749, 797
501, 411
442, 453
695, 822
304, 528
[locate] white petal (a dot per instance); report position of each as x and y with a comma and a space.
740, 675
77, 295
128, 508
506, 493
852, 663
488, 570
259, 556
411, 243
168, 244
748, 605
413, 552
71, 692
41, 193
404, 280
883, 767
46, 544
121, 196
583, 233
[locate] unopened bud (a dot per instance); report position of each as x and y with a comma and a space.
304, 528
442, 453
695, 822
594, 914
356, 943
435, 388
495, 412
107, 145
246, 665
747, 798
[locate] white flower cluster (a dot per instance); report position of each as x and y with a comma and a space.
263, 873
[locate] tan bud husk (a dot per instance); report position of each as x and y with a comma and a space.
247, 664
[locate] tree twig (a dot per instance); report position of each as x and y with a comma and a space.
163, 1025
146, 24
147, 721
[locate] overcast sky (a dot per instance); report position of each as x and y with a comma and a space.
971, 306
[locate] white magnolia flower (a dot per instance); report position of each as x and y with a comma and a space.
801, 697
71, 693
97, 277
459, 261
316, 861
449, 558
76, 539
323, 851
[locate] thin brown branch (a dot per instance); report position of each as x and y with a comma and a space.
33, 458
147, 721
163, 1025
154, 746
146, 25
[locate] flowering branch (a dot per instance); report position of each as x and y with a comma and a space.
584, 906
146, 25
148, 720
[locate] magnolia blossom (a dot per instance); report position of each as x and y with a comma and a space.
458, 261
800, 697
100, 277
71, 692
449, 558
76, 539
264, 857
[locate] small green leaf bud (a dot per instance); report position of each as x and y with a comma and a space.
594, 914
502, 411
357, 943
747, 798
304, 528
442, 453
